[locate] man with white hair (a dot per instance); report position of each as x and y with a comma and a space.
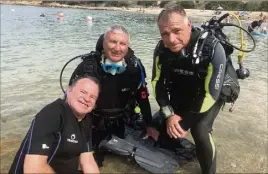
122, 78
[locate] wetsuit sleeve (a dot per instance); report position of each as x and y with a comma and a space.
213, 84
87, 133
43, 130
159, 72
142, 98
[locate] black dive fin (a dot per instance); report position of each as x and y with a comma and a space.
156, 161
117, 146
149, 158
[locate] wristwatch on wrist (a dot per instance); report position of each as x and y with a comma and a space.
167, 111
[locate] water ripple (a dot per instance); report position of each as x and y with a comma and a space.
34, 49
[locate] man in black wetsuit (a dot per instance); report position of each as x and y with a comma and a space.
123, 86
188, 93
59, 139
254, 25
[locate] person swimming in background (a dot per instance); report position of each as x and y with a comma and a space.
254, 25
42, 15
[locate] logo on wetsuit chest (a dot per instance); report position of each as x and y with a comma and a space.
183, 72
44, 146
72, 139
125, 89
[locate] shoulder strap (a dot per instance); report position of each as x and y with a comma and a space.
135, 62
91, 64
204, 54
142, 75
208, 48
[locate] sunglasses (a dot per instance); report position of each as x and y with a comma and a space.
109, 67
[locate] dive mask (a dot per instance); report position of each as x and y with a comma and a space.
113, 67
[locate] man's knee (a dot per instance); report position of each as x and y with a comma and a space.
200, 132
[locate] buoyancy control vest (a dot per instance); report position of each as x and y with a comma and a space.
131, 79
204, 50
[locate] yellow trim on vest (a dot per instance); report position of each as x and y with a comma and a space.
157, 74
208, 100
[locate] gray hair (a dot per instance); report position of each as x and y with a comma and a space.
94, 79
116, 29
164, 14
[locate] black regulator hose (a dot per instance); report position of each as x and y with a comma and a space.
215, 26
63, 70
223, 17
228, 43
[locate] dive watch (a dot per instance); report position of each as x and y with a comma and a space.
167, 111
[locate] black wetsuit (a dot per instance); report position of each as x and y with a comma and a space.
193, 93
254, 25
56, 133
119, 94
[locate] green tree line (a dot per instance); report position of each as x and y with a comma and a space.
206, 5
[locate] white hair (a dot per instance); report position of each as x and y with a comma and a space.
117, 29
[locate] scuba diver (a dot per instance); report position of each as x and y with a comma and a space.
123, 87
59, 138
192, 78
122, 119
254, 25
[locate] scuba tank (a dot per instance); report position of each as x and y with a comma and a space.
214, 26
230, 89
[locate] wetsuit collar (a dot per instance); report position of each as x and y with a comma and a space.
70, 110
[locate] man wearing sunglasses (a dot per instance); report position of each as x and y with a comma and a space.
123, 86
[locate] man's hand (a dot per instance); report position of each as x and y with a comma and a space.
174, 129
151, 132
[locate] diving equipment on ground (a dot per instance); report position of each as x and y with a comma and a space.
147, 153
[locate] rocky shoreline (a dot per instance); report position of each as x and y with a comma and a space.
194, 13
